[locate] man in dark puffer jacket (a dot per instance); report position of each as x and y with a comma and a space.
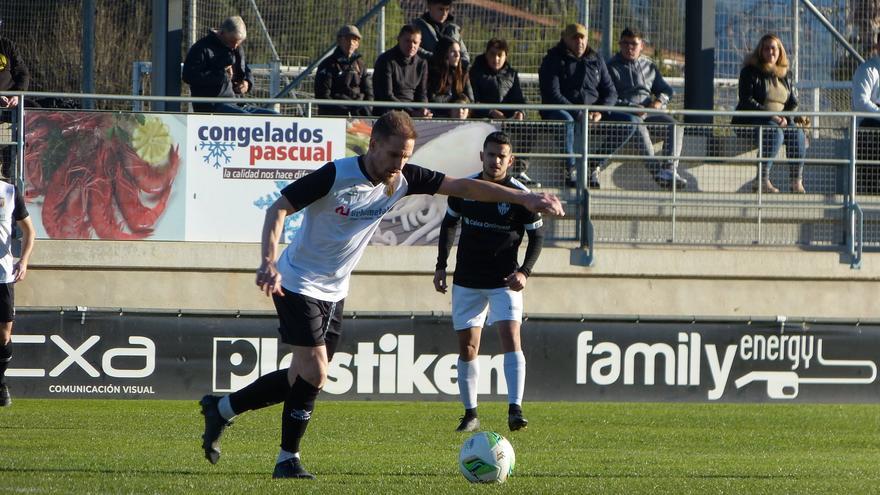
343, 76
572, 73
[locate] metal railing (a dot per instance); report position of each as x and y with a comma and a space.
720, 204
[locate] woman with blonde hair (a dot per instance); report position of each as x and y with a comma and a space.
765, 85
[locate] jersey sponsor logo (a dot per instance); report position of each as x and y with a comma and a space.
343, 210
503, 208
486, 225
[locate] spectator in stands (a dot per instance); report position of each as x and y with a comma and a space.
572, 73
401, 75
765, 84
215, 67
447, 79
461, 112
640, 84
14, 76
436, 23
866, 98
343, 76
494, 81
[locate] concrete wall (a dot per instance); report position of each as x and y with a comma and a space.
625, 280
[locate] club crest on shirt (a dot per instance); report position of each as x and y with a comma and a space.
503, 208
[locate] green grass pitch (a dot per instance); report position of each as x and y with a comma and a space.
102, 446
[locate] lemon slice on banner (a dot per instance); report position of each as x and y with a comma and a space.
152, 140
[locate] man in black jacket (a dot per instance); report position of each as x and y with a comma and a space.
14, 76
572, 73
215, 66
494, 81
343, 76
401, 75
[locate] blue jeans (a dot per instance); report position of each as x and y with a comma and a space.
663, 127
231, 108
773, 135
609, 138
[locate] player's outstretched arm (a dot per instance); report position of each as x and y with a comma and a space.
481, 190
268, 277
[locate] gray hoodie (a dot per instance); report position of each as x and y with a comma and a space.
639, 82
866, 86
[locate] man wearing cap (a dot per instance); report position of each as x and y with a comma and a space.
572, 73
343, 76
215, 67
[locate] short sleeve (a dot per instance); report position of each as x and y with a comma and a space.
453, 206
306, 190
421, 180
19, 210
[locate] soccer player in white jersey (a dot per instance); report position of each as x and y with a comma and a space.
488, 279
343, 203
12, 210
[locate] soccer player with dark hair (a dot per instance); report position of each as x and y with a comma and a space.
308, 282
12, 210
488, 281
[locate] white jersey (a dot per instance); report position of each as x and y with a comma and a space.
343, 209
12, 209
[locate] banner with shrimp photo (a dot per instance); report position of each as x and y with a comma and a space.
238, 164
104, 175
446, 146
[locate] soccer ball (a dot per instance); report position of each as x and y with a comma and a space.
486, 457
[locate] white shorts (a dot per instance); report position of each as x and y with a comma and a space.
470, 306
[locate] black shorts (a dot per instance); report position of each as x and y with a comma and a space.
7, 303
306, 321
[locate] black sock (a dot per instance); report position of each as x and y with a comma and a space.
297, 411
265, 391
470, 413
514, 409
5, 357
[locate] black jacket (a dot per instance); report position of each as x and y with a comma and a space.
340, 77
432, 32
565, 79
14, 75
396, 78
753, 93
204, 67
490, 86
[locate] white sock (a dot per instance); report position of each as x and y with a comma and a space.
515, 375
225, 408
468, 371
284, 455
